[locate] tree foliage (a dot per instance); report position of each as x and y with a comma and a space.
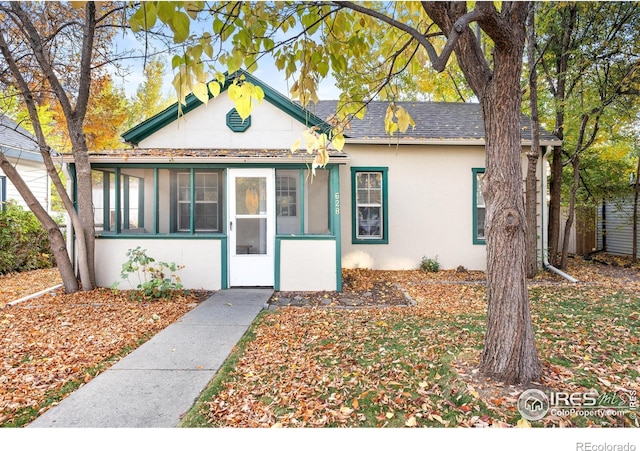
590, 60
50, 51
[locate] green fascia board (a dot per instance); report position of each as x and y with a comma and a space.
170, 114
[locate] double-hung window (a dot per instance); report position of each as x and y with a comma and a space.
369, 205
205, 200
478, 207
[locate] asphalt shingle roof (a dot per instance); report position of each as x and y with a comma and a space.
14, 136
434, 121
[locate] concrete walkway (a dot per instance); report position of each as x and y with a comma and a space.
158, 382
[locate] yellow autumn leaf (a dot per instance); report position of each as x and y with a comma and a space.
404, 119
344, 410
201, 92
338, 142
411, 422
295, 146
214, 88
523, 423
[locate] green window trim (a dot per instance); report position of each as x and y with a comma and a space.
384, 235
474, 195
174, 201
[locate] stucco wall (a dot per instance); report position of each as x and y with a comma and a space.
201, 260
430, 207
307, 265
205, 128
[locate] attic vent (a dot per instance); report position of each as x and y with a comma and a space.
235, 122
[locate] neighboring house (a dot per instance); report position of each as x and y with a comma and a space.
615, 226
228, 199
20, 147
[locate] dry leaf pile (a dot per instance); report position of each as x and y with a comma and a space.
52, 340
17, 285
416, 366
319, 366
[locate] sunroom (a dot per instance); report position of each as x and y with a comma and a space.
230, 218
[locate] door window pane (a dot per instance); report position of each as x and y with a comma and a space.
251, 236
251, 196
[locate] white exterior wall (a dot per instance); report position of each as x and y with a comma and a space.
205, 128
430, 207
36, 178
201, 258
307, 265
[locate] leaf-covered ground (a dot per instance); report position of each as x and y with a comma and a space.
327, 365
415, 366
17, 285
52, 344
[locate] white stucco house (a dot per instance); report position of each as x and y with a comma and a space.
21, 149
229, 200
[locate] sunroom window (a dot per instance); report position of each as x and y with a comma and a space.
302, 202
205, 202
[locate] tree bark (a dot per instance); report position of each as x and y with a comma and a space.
56, 240
509, 349
531, 197
509, 353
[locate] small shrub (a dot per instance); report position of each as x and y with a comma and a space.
157, 280
430, 264
23, 241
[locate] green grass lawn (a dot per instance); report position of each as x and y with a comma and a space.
413, 366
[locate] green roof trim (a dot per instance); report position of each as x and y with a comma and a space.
170, 114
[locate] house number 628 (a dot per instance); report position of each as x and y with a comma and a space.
336, 201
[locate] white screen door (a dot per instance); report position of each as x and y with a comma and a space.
251, 227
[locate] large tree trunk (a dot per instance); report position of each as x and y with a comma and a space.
509, 349
86, 246
56, 240
531, 198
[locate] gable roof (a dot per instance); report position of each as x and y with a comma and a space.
170, 114
442, 122
436, 122
16, 142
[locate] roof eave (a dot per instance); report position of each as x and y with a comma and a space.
211, 160
439, 141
